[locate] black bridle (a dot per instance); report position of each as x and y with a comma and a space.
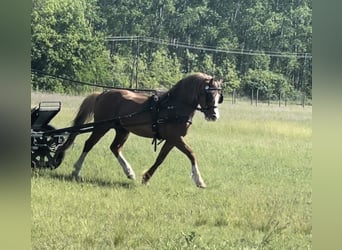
209, 98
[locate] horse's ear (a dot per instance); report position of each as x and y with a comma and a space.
211, 81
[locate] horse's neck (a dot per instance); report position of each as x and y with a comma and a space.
179, 103
186, 97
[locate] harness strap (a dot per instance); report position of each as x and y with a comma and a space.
155, 108
155, 143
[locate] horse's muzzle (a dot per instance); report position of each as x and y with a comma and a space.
211, 118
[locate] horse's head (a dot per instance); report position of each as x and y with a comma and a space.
210, 97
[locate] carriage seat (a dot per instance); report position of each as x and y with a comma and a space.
42, 114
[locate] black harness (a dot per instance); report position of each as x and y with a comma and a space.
171, 116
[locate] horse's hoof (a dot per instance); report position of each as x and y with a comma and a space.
131, 177
145, 178
198, 181
144, 181
76, 176
201, 184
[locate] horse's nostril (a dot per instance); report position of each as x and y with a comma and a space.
211, 117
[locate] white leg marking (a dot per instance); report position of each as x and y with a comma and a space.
126, 167
196, 176
78, 165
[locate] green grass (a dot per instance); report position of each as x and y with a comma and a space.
256, 162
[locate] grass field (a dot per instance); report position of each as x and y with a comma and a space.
256, 162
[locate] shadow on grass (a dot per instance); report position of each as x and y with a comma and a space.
93, 181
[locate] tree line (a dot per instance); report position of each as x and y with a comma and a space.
262, 44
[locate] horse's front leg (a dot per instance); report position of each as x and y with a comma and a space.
195, 173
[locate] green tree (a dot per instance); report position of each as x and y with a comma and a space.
264, 36
233, 80
165, 69
64, 40
270, 84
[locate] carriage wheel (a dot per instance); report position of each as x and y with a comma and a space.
44, 156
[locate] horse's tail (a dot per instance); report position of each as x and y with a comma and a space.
85, 113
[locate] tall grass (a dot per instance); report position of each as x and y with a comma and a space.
256, 162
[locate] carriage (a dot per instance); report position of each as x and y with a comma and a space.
43, 144
46, 139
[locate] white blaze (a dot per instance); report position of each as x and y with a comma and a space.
217, 113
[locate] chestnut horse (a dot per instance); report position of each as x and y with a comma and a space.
166, 117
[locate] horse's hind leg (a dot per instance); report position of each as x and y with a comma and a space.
162, 155
120, 138
88, 145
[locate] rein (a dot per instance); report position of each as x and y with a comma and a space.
39, 73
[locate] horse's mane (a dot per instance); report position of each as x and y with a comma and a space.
189, 86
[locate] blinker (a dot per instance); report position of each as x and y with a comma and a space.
221, 99
209, 96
